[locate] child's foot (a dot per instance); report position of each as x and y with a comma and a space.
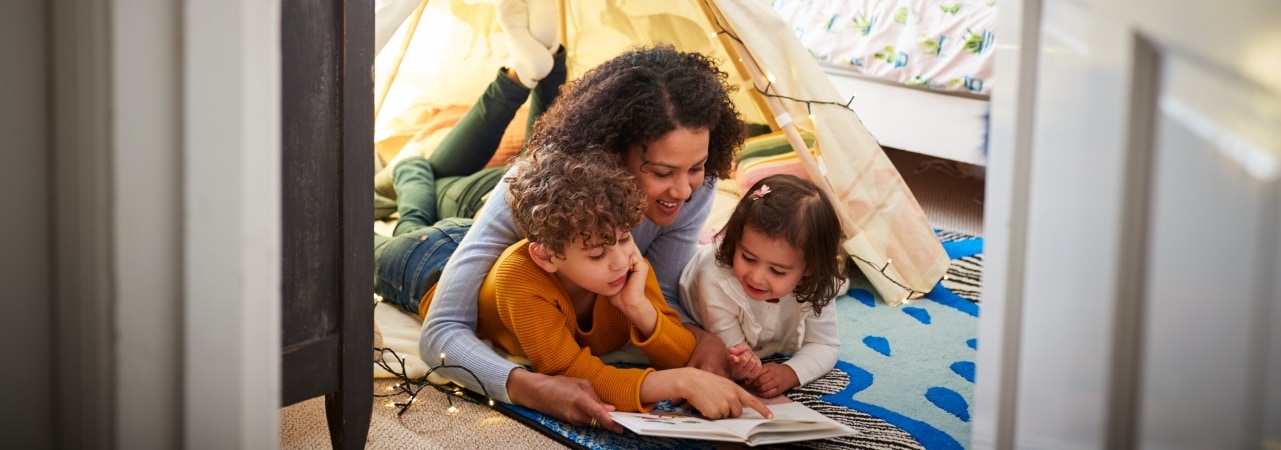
544, 19
529, 58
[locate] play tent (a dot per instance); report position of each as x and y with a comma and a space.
443, 53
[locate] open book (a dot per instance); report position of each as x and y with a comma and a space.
792, 422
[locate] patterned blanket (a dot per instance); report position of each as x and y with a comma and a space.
940, 45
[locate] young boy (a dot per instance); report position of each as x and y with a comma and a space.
577, 288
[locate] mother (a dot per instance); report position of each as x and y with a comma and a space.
668, 115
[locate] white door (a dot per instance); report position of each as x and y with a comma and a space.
1148, 306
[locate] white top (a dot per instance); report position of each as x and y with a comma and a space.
714, 298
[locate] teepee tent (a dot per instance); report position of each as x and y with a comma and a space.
444, 52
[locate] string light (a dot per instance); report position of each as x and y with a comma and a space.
412, 386
882, 270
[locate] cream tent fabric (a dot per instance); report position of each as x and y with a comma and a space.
446, 51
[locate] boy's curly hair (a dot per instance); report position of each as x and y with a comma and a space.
557, 197
637, 98
797, 211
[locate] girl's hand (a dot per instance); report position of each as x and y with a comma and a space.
743, 363
773, 380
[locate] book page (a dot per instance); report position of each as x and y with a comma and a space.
788, 417
674, 425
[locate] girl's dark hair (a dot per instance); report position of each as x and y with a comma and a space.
637, 98
797, 211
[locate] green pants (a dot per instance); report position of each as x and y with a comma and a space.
451, 183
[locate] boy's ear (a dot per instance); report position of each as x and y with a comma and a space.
542, 257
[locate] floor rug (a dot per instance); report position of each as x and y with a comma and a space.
905, 379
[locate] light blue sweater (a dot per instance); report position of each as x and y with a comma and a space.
450, 325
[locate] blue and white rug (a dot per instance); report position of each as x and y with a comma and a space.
905, 379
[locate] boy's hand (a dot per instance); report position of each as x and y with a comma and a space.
631, 298
773, 380
716, 397
632, 295
744, 364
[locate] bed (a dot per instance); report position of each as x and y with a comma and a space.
919, 71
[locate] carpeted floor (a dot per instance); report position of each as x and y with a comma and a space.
425, 425
933, 412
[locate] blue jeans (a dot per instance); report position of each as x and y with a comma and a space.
406, 266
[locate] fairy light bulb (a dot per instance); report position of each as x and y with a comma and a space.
452, 409
491, 402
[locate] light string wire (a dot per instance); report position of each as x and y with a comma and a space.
412, 386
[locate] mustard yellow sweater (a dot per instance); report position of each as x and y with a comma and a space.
526, 312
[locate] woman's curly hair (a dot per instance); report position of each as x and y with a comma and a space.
557, 197
638, 97
797, 211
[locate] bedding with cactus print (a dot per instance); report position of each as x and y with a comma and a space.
939, 45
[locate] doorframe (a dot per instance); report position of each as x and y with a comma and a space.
164, 127
1005, 223
232, 226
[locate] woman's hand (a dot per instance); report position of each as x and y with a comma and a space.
570, 399
709, 352
773, 380
743, 363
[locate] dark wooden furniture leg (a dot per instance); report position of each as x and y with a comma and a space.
327, 207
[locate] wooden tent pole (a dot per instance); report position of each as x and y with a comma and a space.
404, 48
736, 58
564, 27
776, 110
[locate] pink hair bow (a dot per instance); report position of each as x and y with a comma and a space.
758, 193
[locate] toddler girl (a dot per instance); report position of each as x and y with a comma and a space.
766, 286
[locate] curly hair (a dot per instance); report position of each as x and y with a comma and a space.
638, 97
796, 210
557, 197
